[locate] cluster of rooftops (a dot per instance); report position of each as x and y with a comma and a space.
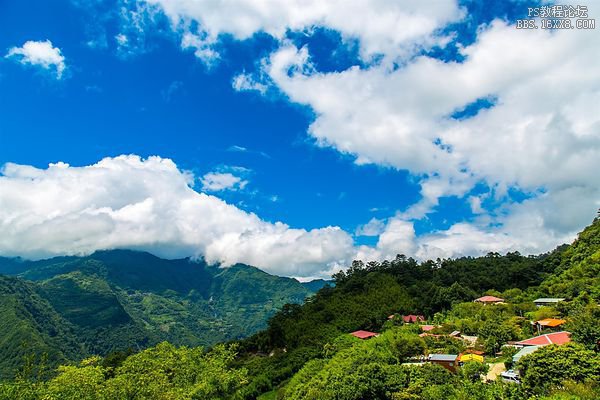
451, 361
542, 301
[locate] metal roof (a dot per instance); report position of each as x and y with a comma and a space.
523, 352
443, 357
548, 300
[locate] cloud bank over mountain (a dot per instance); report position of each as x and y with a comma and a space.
128, 202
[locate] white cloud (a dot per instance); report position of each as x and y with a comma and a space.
128, 202
136, 24
245, 82
475, 203
524, 231
397, 238
381, 26
236, 148
542, 136
202, 47
372, 228
218, 181
121, 39
39, 53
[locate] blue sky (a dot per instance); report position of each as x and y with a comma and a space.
155, 96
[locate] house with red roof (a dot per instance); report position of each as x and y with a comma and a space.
489, 300
364, 334
413, 319
549, 338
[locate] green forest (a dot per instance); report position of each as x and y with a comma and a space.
305, 351
70, 308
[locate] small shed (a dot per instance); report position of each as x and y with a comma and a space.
448, 361
364, 334
547, 301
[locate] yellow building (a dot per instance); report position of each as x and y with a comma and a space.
470, 357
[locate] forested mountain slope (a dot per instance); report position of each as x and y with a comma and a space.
29, 324
115, 300
577, 267
443, 291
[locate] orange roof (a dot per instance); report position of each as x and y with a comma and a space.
363, 334
426, 328
549, 338
489, 299
551, 322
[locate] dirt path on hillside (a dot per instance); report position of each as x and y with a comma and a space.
495, 370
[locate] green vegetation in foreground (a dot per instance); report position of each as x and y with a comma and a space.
306, 352
161, 372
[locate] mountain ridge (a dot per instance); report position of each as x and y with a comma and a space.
117, 299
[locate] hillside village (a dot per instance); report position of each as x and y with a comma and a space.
546, 331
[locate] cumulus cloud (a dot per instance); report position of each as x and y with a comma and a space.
129, 202
542, 136
525, 231
381, 26
39, 53
402, 117
372, 228
217, 181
